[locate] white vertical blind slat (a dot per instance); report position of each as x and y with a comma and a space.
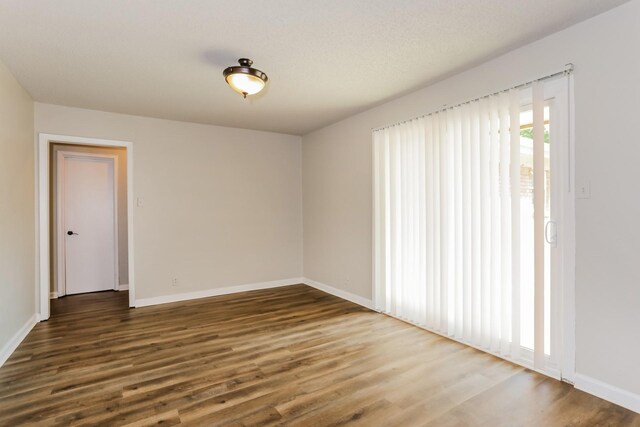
404, 224
387, 222
505, 224
538, 210
445, 194
514, 123
395, 220
422, 222
476, 225
430, 228
485, 224
458, 275
467, 266
378, 219
437, 250
494, 194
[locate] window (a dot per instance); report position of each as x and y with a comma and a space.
464, 227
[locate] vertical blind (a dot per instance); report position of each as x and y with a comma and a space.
447, 249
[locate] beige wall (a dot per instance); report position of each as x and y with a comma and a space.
123, 247
222, 206
17, 215
337, 181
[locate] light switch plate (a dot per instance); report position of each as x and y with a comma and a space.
583, 190
140, 202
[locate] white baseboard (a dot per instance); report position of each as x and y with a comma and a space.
356, 299
217, 291
165, 299
53, 295
15, 341
123, 287
605, 391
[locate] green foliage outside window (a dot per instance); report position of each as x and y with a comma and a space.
528, 133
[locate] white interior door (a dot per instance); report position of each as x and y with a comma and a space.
89, 224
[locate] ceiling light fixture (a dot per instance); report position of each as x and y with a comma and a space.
244, 79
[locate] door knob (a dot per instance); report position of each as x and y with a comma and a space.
71, 233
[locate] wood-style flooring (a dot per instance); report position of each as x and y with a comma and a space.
290, 356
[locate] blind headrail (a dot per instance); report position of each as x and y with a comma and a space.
567, 70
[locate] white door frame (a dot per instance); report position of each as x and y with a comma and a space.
59, 214
43, 216
568, 238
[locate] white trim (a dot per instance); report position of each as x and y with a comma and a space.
59, 213
15, 341
123, 287
356, 299
42, 216
568, 364
605, 391
165, 299
42, 211
53, 295
59, 276
374, 296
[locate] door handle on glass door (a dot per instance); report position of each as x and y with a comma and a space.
551, 240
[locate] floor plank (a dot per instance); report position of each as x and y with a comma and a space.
288, 356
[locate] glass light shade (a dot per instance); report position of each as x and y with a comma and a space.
244, 79
245, 84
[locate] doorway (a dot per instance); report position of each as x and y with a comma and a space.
85, 216
88, 219
473, 224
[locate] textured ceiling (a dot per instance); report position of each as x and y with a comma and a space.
325, 60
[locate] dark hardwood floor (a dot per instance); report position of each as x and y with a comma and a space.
288, 356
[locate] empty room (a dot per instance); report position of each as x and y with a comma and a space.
306, 213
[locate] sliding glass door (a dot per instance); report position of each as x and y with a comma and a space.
468, 222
